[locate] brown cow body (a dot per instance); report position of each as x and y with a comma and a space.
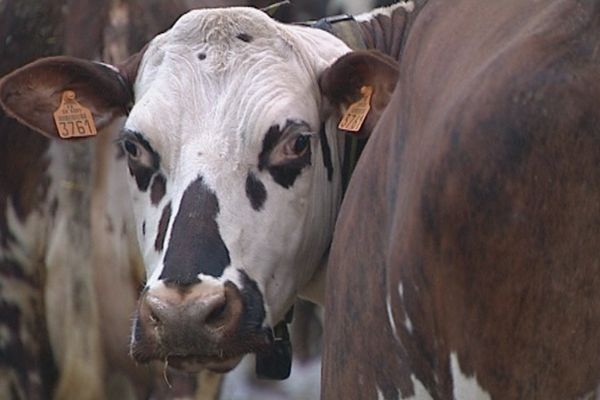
476, 204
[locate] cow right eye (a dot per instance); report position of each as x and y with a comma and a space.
131, 148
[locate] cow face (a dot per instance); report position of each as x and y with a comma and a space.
234, 172
231, 181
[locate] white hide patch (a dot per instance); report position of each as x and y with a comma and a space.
419, 392
407, 322
465, 387
388, 303
379, 394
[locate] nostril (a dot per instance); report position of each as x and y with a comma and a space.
157, 310
217, 314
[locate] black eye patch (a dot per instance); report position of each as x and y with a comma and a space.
142, 171
283, 174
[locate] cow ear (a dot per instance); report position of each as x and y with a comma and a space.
359, 77
33, 93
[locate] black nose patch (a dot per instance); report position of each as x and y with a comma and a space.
195, 246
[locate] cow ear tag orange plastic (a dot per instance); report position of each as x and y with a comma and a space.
355, 116
72, 119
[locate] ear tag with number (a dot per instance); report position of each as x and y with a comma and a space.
355, 116
72, 119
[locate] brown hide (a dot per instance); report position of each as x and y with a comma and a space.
479, 192
26, 364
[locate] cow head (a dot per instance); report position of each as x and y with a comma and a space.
234, 168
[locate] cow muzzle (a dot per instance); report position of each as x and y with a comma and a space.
197, 326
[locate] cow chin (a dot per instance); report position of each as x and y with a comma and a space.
202, 354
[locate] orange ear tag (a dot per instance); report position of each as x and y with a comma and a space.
355, 116
72, 119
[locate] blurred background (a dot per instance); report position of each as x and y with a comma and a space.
110, 31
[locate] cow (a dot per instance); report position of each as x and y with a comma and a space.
235, 202
465, 259
70, 275
235, 167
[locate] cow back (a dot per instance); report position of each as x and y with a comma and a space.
465, 257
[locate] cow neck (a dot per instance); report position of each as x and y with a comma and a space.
346, 28
387, 31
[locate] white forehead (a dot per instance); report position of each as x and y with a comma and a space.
200, 85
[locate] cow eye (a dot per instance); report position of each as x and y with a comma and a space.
131, 148
301, 144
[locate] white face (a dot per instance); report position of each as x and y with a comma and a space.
226, 156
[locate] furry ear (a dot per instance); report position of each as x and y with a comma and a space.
356, 74
32, 93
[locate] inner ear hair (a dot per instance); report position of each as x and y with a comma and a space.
32, 94
342, 82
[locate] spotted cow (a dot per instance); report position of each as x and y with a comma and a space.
235, 165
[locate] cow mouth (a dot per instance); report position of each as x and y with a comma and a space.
195, 364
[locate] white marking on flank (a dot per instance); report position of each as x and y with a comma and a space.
388, 303
407, 322
465, 387
421, 392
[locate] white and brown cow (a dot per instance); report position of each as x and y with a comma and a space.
235, 170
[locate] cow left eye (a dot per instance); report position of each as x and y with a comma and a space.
301, 144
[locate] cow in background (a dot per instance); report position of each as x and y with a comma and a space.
69, 279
